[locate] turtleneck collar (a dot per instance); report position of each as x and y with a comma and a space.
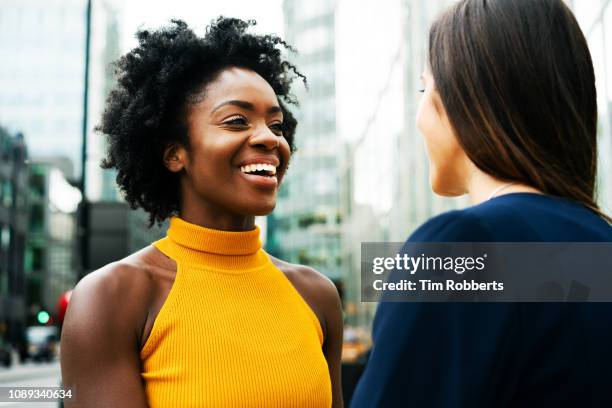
214, 241
208, 248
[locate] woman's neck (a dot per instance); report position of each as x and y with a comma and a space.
210, 216
482, 187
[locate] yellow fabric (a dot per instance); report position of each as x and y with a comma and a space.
233, 332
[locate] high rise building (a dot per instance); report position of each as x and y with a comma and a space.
13, 230
415, 200
50, 258
42, 46
105, 48
41, 74
385, 185
305, 227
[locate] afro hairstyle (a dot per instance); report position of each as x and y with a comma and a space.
158, 80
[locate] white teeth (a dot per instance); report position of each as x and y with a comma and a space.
250, 168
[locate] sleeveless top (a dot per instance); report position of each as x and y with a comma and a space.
233, 331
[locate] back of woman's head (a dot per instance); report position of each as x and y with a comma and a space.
517, 83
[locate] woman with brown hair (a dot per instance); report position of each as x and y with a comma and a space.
509, 117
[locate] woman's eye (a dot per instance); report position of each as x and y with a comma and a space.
277, 128
236, 121
422, 90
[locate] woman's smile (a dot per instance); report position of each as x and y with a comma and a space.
261, 171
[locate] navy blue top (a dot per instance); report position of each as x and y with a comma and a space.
495, 354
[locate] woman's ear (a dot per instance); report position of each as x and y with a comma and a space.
174, 158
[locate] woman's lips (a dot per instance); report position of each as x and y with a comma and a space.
268, 182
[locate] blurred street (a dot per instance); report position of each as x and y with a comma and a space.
31, 375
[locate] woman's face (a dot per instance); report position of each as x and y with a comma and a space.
238, 155
448, 163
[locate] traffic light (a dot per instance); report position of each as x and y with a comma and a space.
43, 317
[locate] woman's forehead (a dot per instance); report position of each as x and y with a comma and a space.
240, 84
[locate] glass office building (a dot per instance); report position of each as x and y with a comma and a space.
50, 256
13, 234
385, 187
305, 227
41, 74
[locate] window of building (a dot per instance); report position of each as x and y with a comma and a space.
5, 238
37, 217
37, 184
38, 254
7, 193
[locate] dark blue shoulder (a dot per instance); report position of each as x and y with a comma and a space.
454, 226
517, 217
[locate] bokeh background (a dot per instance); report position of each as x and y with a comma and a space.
360, 172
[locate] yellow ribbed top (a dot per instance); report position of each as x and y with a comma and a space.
233, 331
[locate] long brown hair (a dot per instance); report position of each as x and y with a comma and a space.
517, 82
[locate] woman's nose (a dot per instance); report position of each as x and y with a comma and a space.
265, 138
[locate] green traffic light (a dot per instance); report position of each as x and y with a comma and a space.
43, 317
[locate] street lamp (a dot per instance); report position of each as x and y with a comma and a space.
83, 213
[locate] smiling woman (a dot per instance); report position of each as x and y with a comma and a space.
198, 133
239, 123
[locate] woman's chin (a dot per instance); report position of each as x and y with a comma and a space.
262, 209
446, 189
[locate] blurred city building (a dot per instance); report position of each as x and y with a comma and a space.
41, 74
139, 233
112, 222
51, 262
385, 190
108, 233
305, 227
105, 48
360, 171
13, 230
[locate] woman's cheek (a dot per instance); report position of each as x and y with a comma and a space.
428, 124
443, 149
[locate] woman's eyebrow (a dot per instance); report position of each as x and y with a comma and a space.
241, 104
245, 105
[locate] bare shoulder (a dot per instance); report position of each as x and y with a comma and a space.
101, 330
307, 278
116, 295
115, 281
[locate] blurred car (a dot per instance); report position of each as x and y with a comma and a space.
42, 342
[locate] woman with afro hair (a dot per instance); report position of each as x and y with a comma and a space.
199, 133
